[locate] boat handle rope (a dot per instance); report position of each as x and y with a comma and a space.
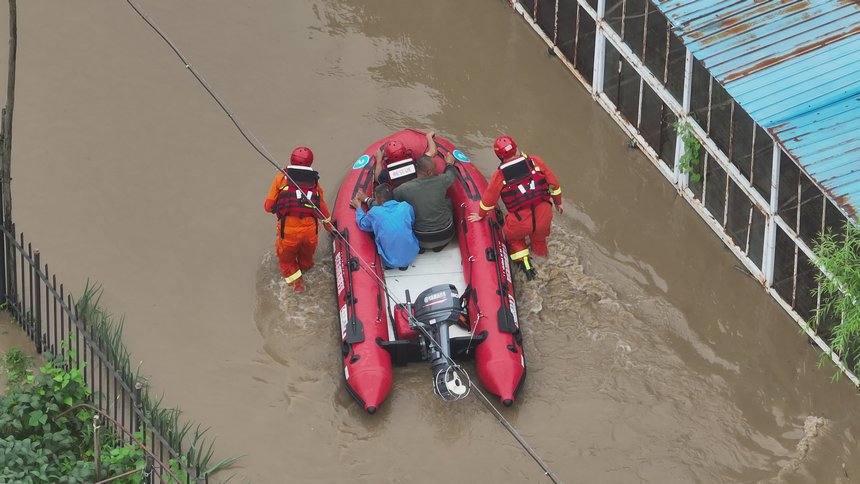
261, 149
472, 294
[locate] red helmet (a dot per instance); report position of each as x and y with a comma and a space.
302, 156
395, 151
504, 147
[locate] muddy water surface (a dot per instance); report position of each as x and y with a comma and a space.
651, 357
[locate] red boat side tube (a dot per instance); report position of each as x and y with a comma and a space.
361, 301
363, 306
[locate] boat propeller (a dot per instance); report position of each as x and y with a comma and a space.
451, 384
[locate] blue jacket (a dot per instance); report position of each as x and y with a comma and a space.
391, 224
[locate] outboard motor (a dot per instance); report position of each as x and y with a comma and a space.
436, 309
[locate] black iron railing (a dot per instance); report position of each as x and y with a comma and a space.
55, 324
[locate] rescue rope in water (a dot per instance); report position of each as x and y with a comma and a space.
365, 266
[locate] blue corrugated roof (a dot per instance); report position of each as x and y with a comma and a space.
794, 66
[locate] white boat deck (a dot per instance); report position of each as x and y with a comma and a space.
428, 270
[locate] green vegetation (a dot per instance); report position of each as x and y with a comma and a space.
17, 366
43, 441
49, 428
689, 162
839, 255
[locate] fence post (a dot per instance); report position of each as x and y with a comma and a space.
97, 446
11, 266
37, 285
139, 425
4, 248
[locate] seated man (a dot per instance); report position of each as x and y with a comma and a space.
391, 223
434, 223
394, 163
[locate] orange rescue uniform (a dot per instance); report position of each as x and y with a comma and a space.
532, 222
298, 243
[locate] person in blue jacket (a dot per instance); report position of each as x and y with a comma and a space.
391, 223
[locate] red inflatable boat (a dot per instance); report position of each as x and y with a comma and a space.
465, 305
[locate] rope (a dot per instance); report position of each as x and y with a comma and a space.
249, 137
365, 266
510, 428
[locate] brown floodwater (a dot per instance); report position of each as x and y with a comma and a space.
651, 357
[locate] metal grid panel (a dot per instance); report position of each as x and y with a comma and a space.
794, 66
764, 232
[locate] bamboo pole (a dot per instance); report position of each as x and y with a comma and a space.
9, 291
6, 170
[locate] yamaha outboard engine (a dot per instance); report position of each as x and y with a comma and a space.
436, 309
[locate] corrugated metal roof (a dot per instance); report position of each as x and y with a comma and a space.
794, 66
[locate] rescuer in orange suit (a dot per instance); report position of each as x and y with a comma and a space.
528, 189
299, 203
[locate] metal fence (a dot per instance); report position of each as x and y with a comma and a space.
52, 320
751, 193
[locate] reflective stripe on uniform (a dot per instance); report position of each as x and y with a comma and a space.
484, 207
519, 255
526, 263
555, 191
293, 277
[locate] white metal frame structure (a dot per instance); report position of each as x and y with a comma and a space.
765, 210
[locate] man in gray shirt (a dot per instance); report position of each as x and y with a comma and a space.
434, 223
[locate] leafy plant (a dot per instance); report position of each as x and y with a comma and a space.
40, 444
31, 407
17, 366
48, 435
118, 460
839, 288
689, 161
46, 439
28, 460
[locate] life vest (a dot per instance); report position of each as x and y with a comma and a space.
525, 184
401, 171
300, 195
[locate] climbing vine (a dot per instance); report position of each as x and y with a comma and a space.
689, 162
839, 255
